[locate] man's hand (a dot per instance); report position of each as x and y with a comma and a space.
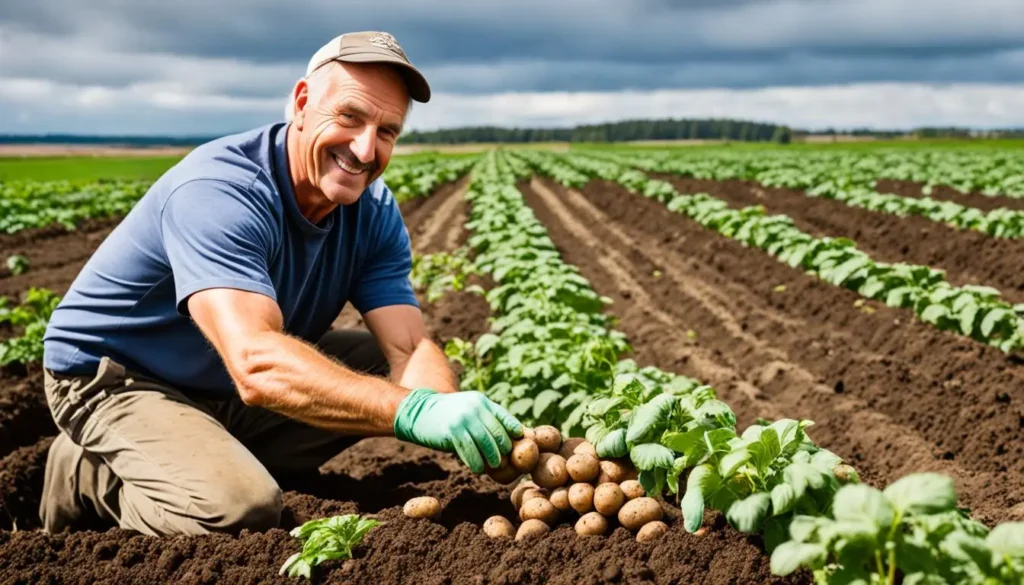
467, 423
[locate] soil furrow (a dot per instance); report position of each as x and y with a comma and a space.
967, 257
375, 477
947, 193
891, 394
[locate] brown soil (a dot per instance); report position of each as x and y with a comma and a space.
888, 393
376, 476
968, 257
947, 193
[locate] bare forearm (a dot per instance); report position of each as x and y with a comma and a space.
428, 367
288, 376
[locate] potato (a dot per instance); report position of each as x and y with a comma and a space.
422, 507
651, 530
499, 527
614, 471
530, 494
539, 509
591, 524
638, 512
583, 467
581, 497
524, 455
504, 473
632, 489
575, 445
517, 492
550, 471
548, 439
608, 498
846, 474
560, 499
528, 433
532, 529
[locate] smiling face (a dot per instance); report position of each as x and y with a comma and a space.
347, 117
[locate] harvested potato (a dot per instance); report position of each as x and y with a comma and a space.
528, 433
632, 489
608, 498
517, 492
422, 507
504, 473
560, 499
524, 455
539, 509
615, 471
651, 530
591, 524
581, 497
548, 439
550, 471
638, 512
575, 445
583, 467
532, 529
499, 527
532, 493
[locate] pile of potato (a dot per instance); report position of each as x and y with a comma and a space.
568, 480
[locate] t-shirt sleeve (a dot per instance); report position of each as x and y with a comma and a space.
384, 279
217, 235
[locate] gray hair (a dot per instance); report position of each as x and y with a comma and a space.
314, 82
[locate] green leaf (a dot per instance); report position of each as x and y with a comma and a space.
612, 445
561, 381
702, 482
934, 313
921, 493
651, 456
783, 498
486, 342
857, 502
790, 556
733, 461
748, 514
968, 315
992, 318
543, 401
1007, 539
684, 442
520, 407
646, 418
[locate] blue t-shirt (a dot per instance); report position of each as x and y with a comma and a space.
225, 216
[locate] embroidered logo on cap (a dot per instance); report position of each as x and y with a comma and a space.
386, 41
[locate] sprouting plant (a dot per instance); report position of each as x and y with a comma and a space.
326, 539
17, 264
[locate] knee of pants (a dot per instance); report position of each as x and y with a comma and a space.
254, 506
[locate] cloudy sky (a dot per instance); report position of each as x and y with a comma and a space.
197, 67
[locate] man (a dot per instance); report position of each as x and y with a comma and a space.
190, 361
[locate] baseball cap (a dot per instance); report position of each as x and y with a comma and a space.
372, 47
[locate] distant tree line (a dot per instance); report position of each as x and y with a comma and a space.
628, 130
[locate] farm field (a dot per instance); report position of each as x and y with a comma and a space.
690, 311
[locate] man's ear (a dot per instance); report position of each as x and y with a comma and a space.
300, 98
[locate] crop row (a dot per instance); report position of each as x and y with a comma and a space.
820, 180
975, 311
771, 480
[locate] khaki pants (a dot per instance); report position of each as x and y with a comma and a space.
142, 455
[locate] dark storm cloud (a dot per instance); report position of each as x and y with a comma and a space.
548, 45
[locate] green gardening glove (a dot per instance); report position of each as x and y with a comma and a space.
467, 423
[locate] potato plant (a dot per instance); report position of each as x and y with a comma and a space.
31, 317
909, 533
974, 311
326, 539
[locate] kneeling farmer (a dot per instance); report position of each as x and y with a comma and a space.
191, 362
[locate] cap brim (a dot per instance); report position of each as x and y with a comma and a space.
416, 83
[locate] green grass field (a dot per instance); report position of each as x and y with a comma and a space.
84, 168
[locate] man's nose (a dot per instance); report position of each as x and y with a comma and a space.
364, 146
